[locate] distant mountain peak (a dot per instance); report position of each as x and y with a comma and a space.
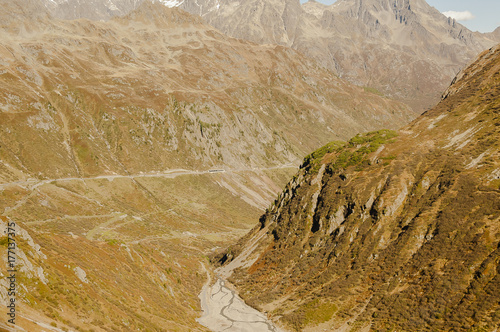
404, 48
160, 14
92, 9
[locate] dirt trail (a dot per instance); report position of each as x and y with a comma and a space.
98, 230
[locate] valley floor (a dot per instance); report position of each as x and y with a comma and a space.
224, 310
141, 240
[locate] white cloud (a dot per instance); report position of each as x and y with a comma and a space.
460, 16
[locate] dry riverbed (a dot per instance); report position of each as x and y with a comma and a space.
224, 310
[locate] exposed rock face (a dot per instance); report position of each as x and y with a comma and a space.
264, 22
91, 9
405, 49
495, 34
393, 230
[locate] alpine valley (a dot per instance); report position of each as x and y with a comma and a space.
130, 148
139, 140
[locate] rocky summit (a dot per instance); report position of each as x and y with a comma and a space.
393, 230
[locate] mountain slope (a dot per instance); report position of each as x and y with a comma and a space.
141, 93
91, 9
407, 49
131, 148
395, 230
495, 35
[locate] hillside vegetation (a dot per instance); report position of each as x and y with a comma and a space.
129, 149
393, 230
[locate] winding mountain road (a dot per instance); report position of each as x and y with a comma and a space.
168, 174
223, 309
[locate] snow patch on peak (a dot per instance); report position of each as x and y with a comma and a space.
171, 3
112, 6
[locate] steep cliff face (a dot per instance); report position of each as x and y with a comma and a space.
392, 230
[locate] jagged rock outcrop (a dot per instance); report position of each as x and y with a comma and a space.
394, 230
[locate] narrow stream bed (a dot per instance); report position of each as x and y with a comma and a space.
224, 310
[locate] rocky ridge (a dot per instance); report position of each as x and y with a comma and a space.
407, 50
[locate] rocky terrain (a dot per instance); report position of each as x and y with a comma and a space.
130, 148
394, 230
91, 9
134, 144
406, 49
495, 34
157, 90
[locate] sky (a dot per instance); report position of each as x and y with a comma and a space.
477, 15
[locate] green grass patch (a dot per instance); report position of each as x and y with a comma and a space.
113, 242
312, 162
354, 153
372, 90
317, 312
4, 241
